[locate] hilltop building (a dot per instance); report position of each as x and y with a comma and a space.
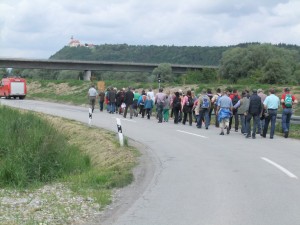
75, 43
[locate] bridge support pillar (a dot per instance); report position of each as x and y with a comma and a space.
87, 75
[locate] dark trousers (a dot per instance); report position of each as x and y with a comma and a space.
248, 124
185, 115
101, 105
142, 110
160, 109
270, 118
215, 111
126, 109
176, 114
243, 123
203, 115
236, 120
148, 113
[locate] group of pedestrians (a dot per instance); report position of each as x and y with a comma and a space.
256, 108
259, 107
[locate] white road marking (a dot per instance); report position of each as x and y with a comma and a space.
291, 175
198, 135
129, 120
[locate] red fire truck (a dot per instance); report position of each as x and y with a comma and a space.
13, 87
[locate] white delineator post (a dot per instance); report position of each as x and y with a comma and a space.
90, 116
119, 126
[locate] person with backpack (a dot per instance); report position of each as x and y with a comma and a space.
187, 107
287, 102
202, 110
234, 98
176, 104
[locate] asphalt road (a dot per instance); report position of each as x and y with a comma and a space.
199, 177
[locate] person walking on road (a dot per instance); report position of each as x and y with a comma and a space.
187, 108
234, 98
271, 104
261, 123
92, 95
166, 108
160, 102
224, 112
148, 106
254, 111
101, 99
214, 104
112, 100
202, 110
176, 104
287, 102
242, 111
128, 100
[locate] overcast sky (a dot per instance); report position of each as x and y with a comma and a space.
40, 28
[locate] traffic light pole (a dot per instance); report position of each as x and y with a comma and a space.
159, 80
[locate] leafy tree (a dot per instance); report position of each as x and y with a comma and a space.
265, 63
165, 71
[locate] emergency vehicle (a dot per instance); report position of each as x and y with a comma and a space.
12, 87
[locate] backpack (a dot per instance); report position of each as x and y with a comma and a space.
218, 99
190, 102
205, 102
288, 101
176, 103
235, 99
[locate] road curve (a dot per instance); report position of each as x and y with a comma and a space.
198, 176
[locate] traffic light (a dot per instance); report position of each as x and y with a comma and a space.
158, 78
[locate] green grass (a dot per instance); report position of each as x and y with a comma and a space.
34, 153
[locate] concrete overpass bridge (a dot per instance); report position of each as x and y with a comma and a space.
88, 66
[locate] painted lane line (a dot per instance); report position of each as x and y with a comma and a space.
291, 175
198, 135
129, 120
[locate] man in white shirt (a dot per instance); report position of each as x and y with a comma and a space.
92, 94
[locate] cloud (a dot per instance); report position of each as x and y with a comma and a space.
39, 28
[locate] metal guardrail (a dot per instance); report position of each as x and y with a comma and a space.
294, 119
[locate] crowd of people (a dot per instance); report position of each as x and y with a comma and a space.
228, 106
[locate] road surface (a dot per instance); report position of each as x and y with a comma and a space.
198, 177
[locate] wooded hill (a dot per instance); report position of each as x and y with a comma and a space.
190, 55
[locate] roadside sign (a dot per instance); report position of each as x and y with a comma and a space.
101, 85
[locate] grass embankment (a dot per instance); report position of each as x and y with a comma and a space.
36, 150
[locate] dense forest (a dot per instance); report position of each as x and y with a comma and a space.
247, 62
